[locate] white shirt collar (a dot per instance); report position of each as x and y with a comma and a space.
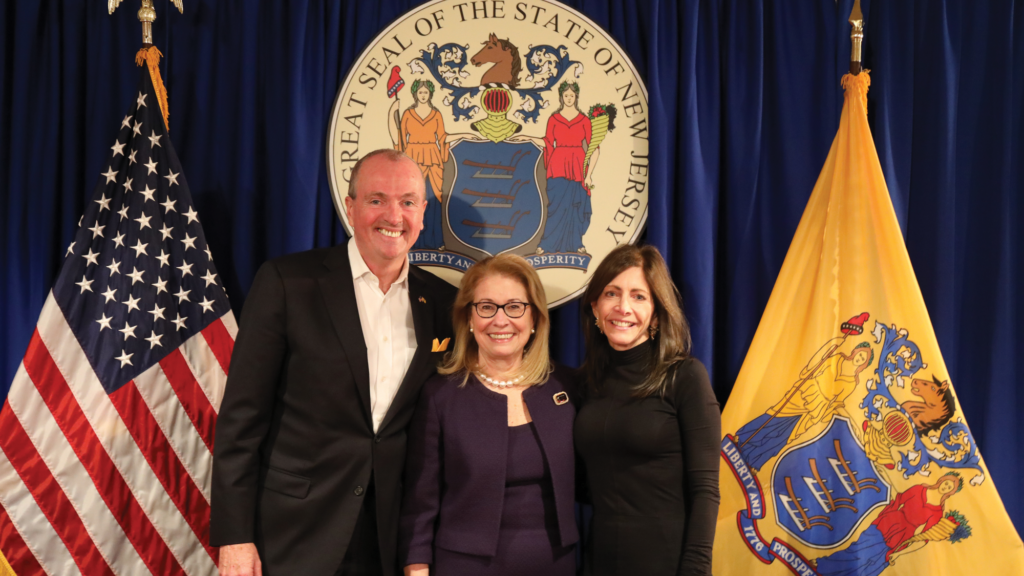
360, 269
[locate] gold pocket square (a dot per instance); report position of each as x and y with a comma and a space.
440, 346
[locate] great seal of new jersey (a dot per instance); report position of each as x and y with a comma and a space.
530, 125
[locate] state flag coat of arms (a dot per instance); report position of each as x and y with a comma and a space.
845, 449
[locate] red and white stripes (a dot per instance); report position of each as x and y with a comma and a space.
94, 483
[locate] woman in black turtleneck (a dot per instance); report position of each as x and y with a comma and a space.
649, 428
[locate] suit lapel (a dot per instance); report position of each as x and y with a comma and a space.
423, 323
554, 430
543, 414
340, 296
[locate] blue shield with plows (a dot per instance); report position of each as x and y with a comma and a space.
823, 488
495, 204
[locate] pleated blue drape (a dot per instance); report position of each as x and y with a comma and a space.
744, 98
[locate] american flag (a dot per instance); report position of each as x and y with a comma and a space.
107, 430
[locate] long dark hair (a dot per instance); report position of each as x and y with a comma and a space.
672, 341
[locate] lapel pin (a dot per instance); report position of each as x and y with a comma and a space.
423, 300
561, 398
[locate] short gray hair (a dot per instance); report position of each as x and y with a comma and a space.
389, 153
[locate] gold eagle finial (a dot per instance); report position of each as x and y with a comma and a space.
147, 14
113, 4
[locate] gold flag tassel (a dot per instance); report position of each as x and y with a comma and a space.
150, 56
859, 82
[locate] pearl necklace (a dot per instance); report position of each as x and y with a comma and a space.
499, 383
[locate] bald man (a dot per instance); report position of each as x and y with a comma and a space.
333, 348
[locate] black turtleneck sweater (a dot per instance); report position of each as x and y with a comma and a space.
651, 468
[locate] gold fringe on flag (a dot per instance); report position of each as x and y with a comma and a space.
150, 56
860, 83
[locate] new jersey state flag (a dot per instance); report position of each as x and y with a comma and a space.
845, 448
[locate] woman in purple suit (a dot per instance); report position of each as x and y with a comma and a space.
489, 478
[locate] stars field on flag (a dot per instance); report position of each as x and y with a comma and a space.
139, 264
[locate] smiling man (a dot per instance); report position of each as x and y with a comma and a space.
333, 348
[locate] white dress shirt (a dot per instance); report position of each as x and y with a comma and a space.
388, 331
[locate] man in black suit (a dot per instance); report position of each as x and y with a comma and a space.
333, 348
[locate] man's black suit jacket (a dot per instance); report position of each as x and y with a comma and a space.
295, 447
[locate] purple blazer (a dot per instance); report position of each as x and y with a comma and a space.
456, 460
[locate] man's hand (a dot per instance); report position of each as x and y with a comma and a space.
417, 570
240, 560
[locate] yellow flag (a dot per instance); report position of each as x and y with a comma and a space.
845, 450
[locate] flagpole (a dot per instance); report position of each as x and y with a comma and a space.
149, 54
147, 15
856, 38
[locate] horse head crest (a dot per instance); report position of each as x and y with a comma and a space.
505, 60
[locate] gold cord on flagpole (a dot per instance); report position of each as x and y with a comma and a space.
149, 55
856, 38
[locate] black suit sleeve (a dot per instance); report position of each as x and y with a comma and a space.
700, 428
424, 475
245, 413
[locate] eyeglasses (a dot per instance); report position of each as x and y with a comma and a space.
489, 309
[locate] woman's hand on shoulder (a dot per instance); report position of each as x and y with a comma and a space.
417, 570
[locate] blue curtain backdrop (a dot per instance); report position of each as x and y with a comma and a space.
747, 101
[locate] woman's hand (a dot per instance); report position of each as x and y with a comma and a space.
519, 138
417, 570
589, 179
394, 124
